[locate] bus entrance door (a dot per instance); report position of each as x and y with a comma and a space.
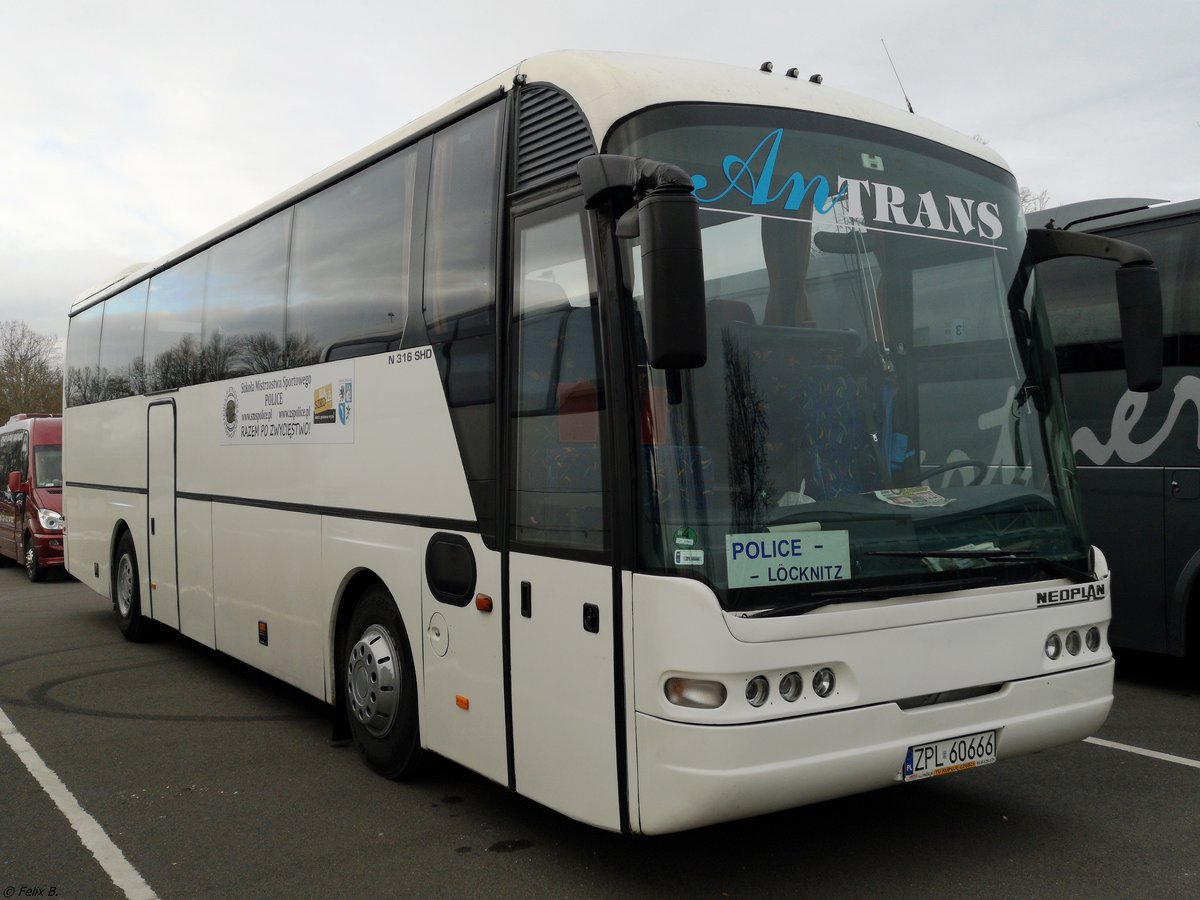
563, 701
160, 511
560, 582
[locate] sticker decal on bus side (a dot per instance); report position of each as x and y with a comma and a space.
761, 560
310, 405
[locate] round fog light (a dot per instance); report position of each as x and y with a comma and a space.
823, 682
1054, 646
791, 686
757, 691
1074, 643
1093, 639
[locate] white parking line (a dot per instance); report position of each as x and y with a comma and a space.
110, 857
1153, 754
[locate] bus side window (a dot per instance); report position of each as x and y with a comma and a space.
558, 393
83, 382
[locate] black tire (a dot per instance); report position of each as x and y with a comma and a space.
33, 565
126, 592
379, 682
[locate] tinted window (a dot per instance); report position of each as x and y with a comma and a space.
121, 367
350, 262
10, 456
47, 465
460, 293
83, 383
558, 499
461, 252
244, 302
173, 324
1081, 298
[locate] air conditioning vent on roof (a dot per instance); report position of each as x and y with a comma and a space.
552, 137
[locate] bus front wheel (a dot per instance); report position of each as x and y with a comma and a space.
380, 687
33, 565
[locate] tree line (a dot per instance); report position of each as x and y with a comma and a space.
31, 376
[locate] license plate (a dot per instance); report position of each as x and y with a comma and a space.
952, 755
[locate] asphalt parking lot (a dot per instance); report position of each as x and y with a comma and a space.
186, 774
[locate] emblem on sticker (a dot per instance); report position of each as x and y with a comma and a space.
685, 538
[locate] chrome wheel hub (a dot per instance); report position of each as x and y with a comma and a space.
124, 587
373, 682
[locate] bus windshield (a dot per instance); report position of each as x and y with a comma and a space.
879, 411
47, 465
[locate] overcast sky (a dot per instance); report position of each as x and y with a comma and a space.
128, 128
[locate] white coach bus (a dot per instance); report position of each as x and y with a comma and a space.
668, 442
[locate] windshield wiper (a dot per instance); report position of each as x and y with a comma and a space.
1053, 566
849, 595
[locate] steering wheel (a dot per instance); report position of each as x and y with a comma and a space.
981, 470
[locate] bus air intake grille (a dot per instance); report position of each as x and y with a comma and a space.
553, 137
948, 696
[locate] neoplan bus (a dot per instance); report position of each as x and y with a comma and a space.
1138, 455
614, 432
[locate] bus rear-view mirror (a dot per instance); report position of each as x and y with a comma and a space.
1139, 297
1139, 300
673, 276
667, 221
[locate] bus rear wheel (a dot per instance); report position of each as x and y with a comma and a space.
126, 592
380, 685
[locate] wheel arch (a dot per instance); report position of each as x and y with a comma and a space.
352, 589
1183, 613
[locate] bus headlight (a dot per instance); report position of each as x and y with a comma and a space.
1092, 639
791, 686
823, 682
51, 520
757, 691
1054, 646
695, 693
1074, 643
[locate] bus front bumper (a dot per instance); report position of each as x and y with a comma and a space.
693, 775
49, 548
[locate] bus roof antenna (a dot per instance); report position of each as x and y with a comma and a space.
897, 74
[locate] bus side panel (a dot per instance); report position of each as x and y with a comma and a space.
268, 567
393, 553
1114, 497
194, 531
104, 448
462, 661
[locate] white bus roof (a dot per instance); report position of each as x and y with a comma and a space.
607, 87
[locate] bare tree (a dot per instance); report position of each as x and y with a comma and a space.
1031, 202
30, 371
